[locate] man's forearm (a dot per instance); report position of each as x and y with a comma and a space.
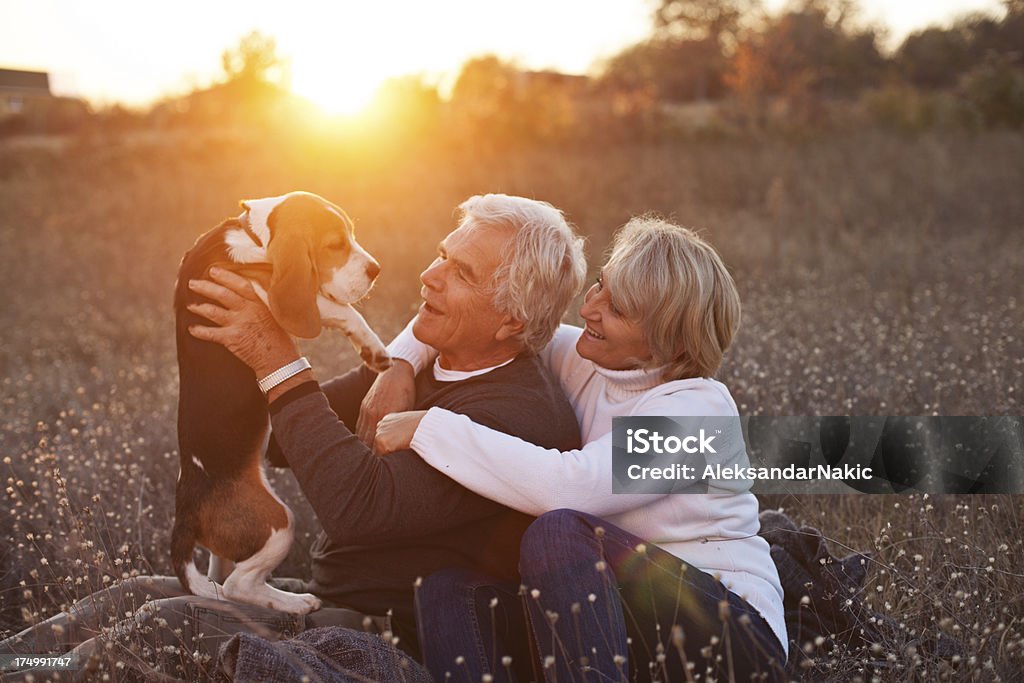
358, 497
344, 393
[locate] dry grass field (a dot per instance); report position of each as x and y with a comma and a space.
880, 275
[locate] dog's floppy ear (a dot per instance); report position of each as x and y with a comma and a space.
294, 284
246, 211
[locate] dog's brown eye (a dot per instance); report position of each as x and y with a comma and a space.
336, 245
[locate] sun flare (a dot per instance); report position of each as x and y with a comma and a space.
336, 92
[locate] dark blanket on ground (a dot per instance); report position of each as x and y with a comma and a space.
822, 595
331, 654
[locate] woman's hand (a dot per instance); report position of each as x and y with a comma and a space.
395, 431
393, 391
245, 326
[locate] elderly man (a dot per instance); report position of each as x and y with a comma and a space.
491, 299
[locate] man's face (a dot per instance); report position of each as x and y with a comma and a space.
457, 317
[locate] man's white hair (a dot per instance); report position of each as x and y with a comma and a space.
543, 268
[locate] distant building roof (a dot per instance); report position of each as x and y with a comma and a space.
26, 81
555, 77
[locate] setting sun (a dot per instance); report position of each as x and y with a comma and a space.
345, 93
340, 68
337, 54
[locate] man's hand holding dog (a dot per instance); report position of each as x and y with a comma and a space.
245, 326
393, 391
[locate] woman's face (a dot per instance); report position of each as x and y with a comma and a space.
610, 339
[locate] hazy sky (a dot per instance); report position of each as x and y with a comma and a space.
338, 51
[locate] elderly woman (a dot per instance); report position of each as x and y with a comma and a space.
616, 585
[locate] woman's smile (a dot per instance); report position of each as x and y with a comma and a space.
609, 338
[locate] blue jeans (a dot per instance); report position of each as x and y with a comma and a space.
473, 624
601, 605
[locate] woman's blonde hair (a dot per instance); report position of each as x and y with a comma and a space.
676, 287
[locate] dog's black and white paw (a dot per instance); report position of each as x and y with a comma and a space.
377, 360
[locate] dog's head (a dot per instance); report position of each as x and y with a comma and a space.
312, 249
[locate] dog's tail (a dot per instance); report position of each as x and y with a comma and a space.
183, 543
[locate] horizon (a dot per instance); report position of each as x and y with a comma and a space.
103, 57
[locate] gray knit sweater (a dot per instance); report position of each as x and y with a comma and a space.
389, 520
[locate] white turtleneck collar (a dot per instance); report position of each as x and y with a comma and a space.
622, 383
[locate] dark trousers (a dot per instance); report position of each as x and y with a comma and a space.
600, 604
473, 625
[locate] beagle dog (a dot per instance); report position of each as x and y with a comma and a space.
300, 254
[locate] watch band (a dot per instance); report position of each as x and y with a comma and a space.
283, 373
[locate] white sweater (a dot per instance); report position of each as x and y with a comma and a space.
715, 532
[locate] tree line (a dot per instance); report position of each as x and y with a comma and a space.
818, 50
708, 66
